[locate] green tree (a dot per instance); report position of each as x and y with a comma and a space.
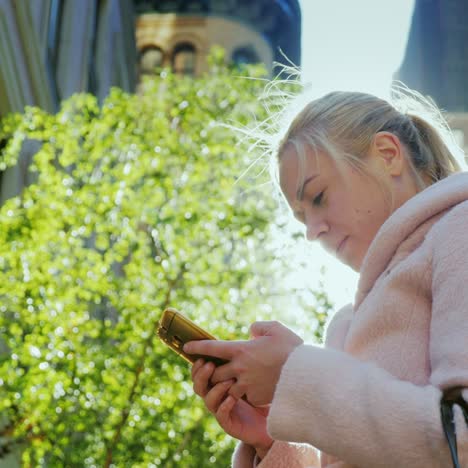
137, 205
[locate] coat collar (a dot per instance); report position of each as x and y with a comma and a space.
404, 221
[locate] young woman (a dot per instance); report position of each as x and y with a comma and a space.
380, 189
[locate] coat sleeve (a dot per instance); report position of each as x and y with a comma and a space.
362, 414
286, 454
280, 455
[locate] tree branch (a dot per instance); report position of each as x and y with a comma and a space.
140, 366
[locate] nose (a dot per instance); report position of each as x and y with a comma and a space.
315, 227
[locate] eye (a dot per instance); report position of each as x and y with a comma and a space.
317, 201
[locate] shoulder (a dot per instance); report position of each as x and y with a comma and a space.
450, 233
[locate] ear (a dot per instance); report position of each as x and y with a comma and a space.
390, 153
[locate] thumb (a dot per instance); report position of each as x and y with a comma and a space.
266, 328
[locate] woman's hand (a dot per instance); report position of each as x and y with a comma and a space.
236, 417
255, 365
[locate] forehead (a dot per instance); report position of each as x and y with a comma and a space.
295, 168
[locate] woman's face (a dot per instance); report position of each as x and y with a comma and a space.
342, 209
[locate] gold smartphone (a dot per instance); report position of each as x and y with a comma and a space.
175, 330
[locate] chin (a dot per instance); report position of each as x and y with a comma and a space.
354, 264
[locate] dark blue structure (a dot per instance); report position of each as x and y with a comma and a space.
436, 59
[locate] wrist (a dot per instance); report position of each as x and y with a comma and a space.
262, 449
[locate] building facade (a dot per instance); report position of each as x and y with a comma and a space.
436, 59
180, 33
50, 49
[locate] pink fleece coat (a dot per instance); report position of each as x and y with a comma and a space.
370, 397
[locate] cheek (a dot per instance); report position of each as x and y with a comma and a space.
373, 218
368, 220
366, 215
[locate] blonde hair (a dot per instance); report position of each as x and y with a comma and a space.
343, 123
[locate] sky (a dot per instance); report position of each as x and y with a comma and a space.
353, 44
348, 45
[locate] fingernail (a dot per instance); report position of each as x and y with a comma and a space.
187, 348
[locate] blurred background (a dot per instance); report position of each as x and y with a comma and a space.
157, 54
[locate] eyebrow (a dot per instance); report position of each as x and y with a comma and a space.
300, 190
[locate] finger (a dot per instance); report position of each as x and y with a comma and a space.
217, 348
201, 380
223, 373
216, 395
225, 409
237, 390
196, 366
263, 328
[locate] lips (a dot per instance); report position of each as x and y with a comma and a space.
341, 245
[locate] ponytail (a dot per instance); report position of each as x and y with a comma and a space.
434, 158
